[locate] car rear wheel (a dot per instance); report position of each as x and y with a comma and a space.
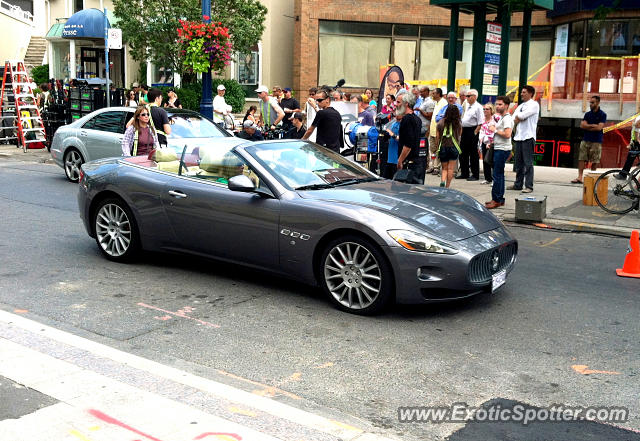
115, 230
356, 275
72, 163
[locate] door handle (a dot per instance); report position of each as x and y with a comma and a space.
177, 194
83, 133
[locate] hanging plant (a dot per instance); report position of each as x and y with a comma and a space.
204, 45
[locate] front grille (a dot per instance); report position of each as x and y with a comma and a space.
481, 267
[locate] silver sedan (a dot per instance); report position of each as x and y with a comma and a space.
99, 135
305, 212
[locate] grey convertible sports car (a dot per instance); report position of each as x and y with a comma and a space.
303, 211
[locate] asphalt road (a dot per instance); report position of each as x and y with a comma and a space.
562, 315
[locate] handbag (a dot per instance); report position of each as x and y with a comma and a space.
404, 175
488, 157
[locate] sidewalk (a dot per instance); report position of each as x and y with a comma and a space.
64, 387
564, 201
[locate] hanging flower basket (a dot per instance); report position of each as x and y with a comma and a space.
205, 46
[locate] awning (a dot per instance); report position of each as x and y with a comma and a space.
55, 32
88, 23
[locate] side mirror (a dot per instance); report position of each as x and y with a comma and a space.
241, 183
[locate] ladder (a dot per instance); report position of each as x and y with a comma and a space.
20, 119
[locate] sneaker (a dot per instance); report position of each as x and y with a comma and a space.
442, 184
485, 182
513, 187
527, 190
472, 178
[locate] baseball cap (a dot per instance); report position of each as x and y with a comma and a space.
298, 115
221, 87
262, 88
287, 89
248, 124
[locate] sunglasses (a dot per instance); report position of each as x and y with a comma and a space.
319, 100
487, 108
469, 95
144, 114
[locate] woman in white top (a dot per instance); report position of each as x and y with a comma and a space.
131, 99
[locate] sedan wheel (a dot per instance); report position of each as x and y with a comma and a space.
356, 276
115, 232
72, 163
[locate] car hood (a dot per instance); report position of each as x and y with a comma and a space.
443, 213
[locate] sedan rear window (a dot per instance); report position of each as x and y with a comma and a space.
106, 122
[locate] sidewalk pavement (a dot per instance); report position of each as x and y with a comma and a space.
65, 387
564, 200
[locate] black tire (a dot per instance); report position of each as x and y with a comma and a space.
621, 198
116, 230
356, 276
72, 161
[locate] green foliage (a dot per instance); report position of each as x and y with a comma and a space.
191, 94
40, 74
194, 56
150, 28
244, 18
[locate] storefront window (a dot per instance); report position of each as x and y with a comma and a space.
61, 60
162, 75
356, 59
247, 68
576, 39
613, 37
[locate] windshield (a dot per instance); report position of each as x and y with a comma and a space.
191, 125
303, 165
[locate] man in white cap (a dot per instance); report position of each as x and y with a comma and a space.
220, 107
270, 111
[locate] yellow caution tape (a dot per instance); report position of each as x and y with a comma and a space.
620, 124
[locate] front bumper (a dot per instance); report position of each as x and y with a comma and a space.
427, 278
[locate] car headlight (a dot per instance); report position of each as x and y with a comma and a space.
417, 242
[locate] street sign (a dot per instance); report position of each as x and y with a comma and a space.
493, 69
115, 38
492, 60
489, 90
494, 38
492, 48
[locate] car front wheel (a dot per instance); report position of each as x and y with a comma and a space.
356, 275
115, 230
72, 163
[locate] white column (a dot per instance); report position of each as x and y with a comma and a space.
50, 57
260, 63
177, 80
149, 73
72, 59
126, 66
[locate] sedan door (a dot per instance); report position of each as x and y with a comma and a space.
102, 135
210, 219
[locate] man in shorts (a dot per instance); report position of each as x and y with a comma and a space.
591, 145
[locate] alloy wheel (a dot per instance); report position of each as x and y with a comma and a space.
353, 275
113, 230
72, 163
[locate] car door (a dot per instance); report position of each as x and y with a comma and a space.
102, 134
210, 219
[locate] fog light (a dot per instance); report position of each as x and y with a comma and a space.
426, 273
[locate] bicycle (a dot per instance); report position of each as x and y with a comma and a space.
623, 190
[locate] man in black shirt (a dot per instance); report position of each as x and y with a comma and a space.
159, 116
250, 132
328, 122
297, 131
409, 140
290, 106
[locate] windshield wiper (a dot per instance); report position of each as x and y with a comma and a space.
335, 184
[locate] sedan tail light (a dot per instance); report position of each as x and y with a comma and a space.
81, 175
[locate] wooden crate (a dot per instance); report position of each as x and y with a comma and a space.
587, 190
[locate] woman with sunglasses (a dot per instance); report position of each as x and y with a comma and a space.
131, 99
140, 137
486, 139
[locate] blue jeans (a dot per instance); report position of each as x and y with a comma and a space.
499, 159
524, 163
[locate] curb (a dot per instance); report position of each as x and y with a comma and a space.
576, 226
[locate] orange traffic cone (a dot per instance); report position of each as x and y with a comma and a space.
631, 267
